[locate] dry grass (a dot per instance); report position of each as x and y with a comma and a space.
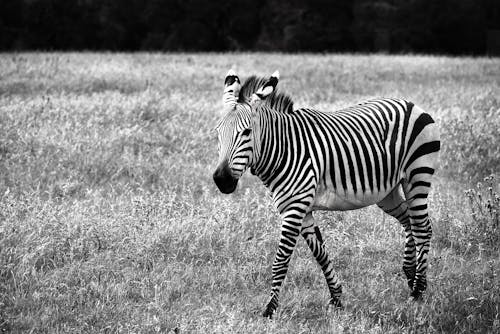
110, 222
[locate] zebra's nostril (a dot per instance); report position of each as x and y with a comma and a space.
218, 177
220, 174
225, 180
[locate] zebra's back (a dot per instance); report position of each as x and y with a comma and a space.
359, 154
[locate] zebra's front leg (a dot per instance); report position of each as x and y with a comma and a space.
290, 230
310, 232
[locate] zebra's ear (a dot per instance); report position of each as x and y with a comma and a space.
267, 89
231, 90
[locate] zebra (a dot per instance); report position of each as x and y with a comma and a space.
381, 151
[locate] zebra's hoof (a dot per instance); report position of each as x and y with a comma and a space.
268, 313
416, 295
335, 303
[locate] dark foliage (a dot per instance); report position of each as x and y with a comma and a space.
448, 26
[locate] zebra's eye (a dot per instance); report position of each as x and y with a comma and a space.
246, 132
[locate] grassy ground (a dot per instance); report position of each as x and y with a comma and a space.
110, 222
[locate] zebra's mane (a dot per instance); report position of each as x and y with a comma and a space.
277, 101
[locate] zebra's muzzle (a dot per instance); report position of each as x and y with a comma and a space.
224, 179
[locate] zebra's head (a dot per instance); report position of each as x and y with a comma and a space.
236, 129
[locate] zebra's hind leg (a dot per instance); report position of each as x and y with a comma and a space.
416, 192
314, 240
395, 205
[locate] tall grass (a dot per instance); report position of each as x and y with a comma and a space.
110, 222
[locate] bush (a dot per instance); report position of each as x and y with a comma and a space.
484, 203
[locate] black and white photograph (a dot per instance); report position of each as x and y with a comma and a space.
250, 166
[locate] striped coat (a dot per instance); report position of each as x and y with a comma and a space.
382, 151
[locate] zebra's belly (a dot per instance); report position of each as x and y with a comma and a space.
327, 199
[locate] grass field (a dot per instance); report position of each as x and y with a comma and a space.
110, 221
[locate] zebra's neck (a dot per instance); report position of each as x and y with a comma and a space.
272, 144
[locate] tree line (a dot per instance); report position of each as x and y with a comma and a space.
428, 26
